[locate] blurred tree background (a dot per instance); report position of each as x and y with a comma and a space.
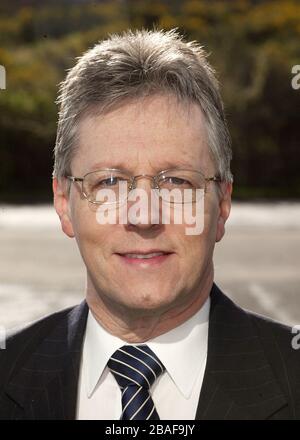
252, 44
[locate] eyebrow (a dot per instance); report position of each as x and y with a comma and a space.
120, 166
104, 164
177, 164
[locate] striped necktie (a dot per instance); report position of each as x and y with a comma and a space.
135, 368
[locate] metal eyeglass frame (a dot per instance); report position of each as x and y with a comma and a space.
133, 179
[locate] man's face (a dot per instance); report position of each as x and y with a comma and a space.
144, 137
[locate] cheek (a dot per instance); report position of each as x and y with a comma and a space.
199, 248
81, 220
212, 211
90, 236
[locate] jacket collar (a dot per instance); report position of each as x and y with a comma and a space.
238, 383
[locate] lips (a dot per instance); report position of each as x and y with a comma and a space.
142, 257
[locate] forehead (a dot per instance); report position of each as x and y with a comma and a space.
157, 132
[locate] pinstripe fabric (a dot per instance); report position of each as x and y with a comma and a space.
252, 372
239, 383
136, 368
41, 381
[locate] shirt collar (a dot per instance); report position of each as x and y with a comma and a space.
182, 350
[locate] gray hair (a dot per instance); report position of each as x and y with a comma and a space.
138, 64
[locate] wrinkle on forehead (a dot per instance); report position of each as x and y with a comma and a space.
140, 106
152, 129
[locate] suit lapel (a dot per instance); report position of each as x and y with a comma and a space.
45, 387
238, 382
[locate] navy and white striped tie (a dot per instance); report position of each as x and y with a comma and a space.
135, 368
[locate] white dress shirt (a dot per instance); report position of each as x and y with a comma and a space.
183, 352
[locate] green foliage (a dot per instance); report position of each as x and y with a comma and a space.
253, 45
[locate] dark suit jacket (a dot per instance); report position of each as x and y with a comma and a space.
252, 371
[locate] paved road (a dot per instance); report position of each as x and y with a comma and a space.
256, 264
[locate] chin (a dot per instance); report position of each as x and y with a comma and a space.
148, 302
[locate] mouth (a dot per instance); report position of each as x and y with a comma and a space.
145, 258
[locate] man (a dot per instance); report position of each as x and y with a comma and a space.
155, 337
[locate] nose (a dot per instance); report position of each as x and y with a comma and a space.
144, 211
144, 176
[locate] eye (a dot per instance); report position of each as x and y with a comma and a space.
110, 181
176, 181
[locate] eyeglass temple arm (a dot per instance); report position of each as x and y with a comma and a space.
214, 179
75, 179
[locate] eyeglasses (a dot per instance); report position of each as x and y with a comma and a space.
175, 180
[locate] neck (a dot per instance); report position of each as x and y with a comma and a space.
136, 326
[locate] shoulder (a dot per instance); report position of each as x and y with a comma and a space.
270, 331
20, 335
265, 327
277, 342
281, 346
21, 343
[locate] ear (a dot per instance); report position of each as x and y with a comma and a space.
224, 209
61, 204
